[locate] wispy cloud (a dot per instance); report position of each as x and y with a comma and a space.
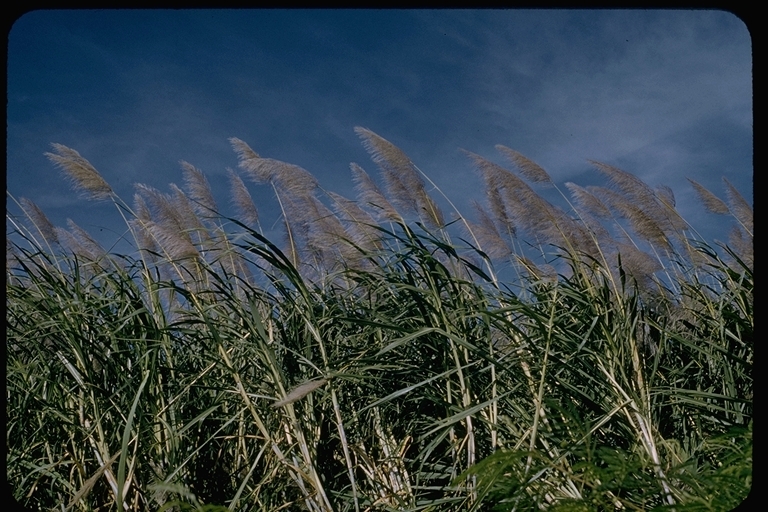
665, 94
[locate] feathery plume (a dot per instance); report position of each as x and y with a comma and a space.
174, 214
522, 205
370, 194
711, 202
496, 203
742, 246
637, 265
296, 227
81, 174
68, 241
367, 236
614, 201
642, 223
139, 225
620, 206
320, 231
402, 178
349, 211
395, 168
84, 247
590, 235
528, 168
666, 196
555, 227
587, 201
388, 156
325, 227
399, 192
162, 206
299, 392
259, 170
141, 209
242, 199
287, 177
175, 246
739, 206
198, 189
430, 213
647, 227
184, 210
296, 180
487, 234
91, 246
143, 237
243, 150
267, 170
630, 185
39, 220
188, 219
644, 199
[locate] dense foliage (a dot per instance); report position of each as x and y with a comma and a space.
383, 359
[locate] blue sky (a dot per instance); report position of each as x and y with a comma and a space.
663, 94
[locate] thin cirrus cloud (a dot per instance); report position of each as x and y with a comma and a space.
663, 94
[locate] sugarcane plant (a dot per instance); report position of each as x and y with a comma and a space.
589, 352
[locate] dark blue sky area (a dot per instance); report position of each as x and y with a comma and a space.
662, 94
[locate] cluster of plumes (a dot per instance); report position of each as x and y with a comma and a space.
518, 212
740, 239
402, 179
321, 240
174, 231
184, 227
625, 221
625, 224
317, 240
